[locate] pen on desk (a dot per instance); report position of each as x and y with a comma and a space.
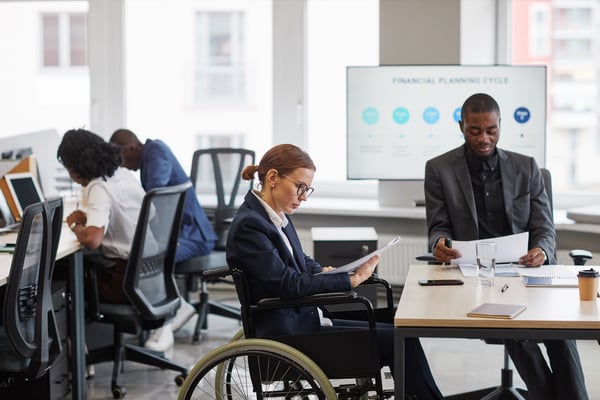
504, 288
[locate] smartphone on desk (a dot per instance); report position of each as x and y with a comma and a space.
440, 282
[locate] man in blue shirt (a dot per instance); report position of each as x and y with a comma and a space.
159, 168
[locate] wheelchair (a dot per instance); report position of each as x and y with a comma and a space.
307, 366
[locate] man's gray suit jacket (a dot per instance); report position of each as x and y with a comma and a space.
450, 202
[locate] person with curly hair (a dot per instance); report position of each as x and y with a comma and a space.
110, 204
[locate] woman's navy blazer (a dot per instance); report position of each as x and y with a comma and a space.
255, 246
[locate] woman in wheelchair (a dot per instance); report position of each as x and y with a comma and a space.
263, 243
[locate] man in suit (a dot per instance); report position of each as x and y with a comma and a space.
159, 168
478, 191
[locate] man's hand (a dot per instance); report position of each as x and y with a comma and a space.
443, 253
534, 258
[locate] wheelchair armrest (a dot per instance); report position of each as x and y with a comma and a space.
389, 295
319, 299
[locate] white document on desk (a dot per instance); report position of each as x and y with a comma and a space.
350, 267
508, 248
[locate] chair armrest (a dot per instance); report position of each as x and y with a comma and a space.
320, 299
215, 273
92, 296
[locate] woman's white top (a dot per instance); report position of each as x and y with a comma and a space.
115, 205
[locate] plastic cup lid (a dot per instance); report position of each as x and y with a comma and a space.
588, 273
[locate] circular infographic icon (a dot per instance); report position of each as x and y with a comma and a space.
522, 115
401, 115
431, 115
456, 114
370, 115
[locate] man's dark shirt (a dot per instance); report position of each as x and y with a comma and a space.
487, 189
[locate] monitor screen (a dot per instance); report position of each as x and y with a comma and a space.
398, 117
24, 190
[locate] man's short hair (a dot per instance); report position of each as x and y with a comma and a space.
478, 103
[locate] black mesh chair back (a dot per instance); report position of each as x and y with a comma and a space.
547, 179
28, 320
149, 284
219, 171
149, 281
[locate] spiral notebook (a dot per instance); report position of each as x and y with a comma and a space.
550, 275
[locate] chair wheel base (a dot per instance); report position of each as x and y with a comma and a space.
118, 392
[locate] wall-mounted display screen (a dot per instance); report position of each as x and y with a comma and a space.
398, 117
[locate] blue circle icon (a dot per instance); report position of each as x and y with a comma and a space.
401, 115
370, 115
522, 115
431, 115
457, 114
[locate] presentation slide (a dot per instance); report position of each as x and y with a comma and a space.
398, 117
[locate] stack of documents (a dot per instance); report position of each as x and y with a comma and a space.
546, 275
550, 275
508, 248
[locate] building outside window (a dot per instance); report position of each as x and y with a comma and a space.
573, 125
189, 84
220, 65
63, 40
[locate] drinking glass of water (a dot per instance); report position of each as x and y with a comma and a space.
486, 263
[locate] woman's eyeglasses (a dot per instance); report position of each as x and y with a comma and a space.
303, 188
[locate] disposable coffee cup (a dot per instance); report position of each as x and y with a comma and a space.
588, 284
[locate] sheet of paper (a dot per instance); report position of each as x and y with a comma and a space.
350, 267
508, 248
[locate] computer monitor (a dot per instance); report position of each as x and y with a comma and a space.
24, 190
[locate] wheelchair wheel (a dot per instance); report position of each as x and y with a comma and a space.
256, 368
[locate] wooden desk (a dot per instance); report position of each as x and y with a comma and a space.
70, 248
441, 311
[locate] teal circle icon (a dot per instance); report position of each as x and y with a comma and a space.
370, 115
457, 114
431, 115
401, 115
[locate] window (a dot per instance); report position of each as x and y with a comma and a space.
539, 30
186, 84
573, 128
77, 40
63, 40
220, 56
328, 53
45, 81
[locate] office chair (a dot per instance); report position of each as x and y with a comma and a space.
149, 284
214, 171
29, 336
